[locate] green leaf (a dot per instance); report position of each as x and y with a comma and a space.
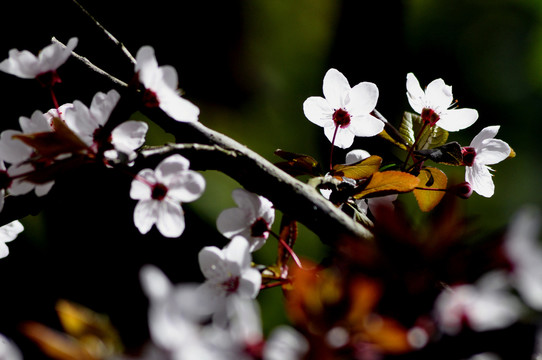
412, 124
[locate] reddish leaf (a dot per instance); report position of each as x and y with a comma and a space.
389, 182
297, 164
50, 144
360, 170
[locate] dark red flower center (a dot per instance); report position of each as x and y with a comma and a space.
341, 118
469, 154
259, 228
429, 116
149, 99
231, 284
159, 191
49, 78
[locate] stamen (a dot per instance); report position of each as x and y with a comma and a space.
341, 118
159, 191
259, 228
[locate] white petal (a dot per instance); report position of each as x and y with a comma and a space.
4, 250
13, 150
22, 64
37, 123
457, 119
247, 201
102, 105
365, 125
335, 88
362, 99
355, 156
318, 111
231, 222
186, 187
170, 220
154, 282
211, 262
146, 65
481, 180
492, 152
177, 107
415, 93
10, 231
344, 138
80, 121
145, 215
250, 282
170, 167
43, 189
236, 252
130, 135
487, 133
438, 95
141, 186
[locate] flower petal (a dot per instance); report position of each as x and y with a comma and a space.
318, 111
231, 222
170, 220
250, 282
487, 133
177, 107
438, 95
145, 215
362, 99
211, 260
355, 156
129, 136
187, 186
365, 125
492, 152
141, 186
344, 138
247, 201
457, 119
415, 93
335, 88
102, 105
237, 252
170, 167
480, 179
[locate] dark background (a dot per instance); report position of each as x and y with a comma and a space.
249, 65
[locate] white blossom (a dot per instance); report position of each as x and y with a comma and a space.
344, 112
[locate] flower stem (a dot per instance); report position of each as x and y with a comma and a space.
288, 249
411, 149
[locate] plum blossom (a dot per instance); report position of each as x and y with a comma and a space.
484, 150
161, 90
344, 112
228, 271
486, 305
160, 193
252, 219
17, 153
86, 123
524, 251
434, 105
26, 65
8, 233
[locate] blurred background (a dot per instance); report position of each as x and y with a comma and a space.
249, 65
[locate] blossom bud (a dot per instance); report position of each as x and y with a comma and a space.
463, 190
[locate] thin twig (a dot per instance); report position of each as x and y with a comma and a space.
107, 33
93, 67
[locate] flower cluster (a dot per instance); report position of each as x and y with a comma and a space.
394, 291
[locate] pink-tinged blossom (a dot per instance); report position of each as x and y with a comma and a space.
486, 305
17, 153
26, 65
86, 123
252, 218
161, 87
523, 249
435, 105
228, 271
160, 193
484, 150
9, 233
344, 112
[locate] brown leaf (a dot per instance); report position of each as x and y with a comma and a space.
297, 164
389, 182
430, 178
359, 170
50, 144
